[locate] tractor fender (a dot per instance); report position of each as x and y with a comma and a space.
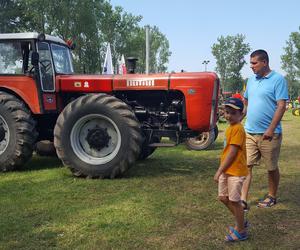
23, 89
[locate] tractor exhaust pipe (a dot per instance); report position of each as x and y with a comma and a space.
131, 65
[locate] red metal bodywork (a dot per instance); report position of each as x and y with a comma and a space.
197, 89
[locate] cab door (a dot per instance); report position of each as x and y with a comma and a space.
47, 76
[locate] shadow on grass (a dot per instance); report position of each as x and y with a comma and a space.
42, 162
174, 164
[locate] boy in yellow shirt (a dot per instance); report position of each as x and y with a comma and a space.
233, 168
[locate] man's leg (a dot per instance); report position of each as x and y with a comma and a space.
270, 151
246, 185
274, 177
253, 156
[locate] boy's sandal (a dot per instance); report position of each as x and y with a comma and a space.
236, 236
269, 201
246, 226
245, 206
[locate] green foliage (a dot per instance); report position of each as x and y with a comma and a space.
230, 54
91, 24
291, 63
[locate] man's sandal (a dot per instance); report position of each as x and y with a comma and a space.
269, 201
236, 236
245, 206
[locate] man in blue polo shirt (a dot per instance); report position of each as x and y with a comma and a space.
265, 101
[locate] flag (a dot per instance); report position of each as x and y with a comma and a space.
108, 66
122, 66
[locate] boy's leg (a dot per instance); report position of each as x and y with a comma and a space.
226, 202
235, 184
223, 191
238, 214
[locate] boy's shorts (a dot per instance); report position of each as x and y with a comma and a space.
231, 186
268, 151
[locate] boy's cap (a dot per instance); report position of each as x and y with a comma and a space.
235, 103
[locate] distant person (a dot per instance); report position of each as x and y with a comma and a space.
265, 103
233, 168
237, 95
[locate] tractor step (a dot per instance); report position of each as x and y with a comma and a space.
162, 144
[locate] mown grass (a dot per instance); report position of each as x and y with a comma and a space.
165, 202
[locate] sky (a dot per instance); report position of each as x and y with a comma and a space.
193, 26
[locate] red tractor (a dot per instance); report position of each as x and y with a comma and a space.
100, 124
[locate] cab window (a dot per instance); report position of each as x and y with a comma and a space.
14, 57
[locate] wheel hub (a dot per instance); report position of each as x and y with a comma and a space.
98, 138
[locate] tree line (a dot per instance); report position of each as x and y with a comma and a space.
92, 24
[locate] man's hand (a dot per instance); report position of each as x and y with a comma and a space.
268, 135
217, 175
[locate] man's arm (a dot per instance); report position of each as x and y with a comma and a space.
245, 108
281, 106
232, 153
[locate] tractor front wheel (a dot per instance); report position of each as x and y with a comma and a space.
97, 136
203, 140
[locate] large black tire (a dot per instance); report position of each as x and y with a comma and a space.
203, 140
216, 131
17, 133
146, 151
97, 136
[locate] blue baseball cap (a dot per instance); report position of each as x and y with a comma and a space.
235, 103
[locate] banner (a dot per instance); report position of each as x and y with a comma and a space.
122, 66
108, 66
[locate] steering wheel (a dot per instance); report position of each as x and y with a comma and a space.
46, 64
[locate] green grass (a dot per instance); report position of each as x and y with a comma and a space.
165, 202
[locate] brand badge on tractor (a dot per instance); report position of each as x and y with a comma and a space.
191, 91
49, 99
86, 84
77, 84
140, 83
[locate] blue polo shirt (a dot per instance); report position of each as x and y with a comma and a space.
262, 94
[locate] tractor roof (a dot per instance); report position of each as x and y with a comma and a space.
29, 35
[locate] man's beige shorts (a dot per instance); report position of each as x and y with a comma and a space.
265, 150
230, 186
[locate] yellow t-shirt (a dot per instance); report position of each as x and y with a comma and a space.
235, 135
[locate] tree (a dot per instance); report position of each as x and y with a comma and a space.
291, 64
91, 24
230, 54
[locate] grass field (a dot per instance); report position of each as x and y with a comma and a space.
165, 202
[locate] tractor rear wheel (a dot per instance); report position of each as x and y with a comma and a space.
97, 136
17, 132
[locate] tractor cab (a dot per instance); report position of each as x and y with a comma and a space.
34, 55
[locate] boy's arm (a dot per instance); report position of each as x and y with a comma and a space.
232, 153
